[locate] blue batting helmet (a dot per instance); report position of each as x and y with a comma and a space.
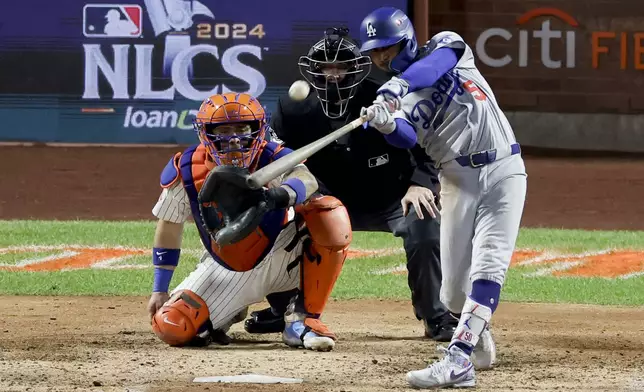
387, 26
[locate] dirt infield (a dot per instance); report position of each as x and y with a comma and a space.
105, 344
122, 183
70, 343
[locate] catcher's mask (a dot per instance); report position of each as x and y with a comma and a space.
335, 67
232, 126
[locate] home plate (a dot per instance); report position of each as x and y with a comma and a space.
249, 379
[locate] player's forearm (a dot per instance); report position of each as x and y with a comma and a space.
165, 253
427, 71
403, 135
168, 234
300, 184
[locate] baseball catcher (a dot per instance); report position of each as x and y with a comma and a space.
279, 237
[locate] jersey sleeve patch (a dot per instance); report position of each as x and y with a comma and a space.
170, 172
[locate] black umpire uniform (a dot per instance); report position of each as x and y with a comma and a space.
370, 177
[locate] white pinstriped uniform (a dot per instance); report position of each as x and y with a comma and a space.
227, 292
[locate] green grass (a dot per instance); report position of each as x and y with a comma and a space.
357, 279
579, 240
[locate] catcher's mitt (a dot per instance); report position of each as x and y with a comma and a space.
230, 209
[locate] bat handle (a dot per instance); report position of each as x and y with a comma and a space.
275, 169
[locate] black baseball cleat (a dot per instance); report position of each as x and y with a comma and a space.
265, 321
441, 329
217, 336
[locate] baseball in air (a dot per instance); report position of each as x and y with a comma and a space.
299, 90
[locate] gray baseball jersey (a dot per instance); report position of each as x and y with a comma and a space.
481, 206
459, 114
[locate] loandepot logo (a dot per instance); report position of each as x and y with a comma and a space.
629, 48
158, 118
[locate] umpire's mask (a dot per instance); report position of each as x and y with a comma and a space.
335, 67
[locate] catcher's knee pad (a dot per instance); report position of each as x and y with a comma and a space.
330, 232
181, 319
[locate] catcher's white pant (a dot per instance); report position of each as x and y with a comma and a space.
480, 216
227, 292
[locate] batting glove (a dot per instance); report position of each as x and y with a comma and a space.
393, 91
379, 117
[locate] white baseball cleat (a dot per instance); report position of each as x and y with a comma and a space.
454, 370
296, 334
312, 336
484, 354
315, 342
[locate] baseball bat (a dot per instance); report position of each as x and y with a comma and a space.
275, 169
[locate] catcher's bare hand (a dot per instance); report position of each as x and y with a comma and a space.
419, 196
156, 302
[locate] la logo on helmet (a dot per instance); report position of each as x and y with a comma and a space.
371, 31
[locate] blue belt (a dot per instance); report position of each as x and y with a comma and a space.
482, 158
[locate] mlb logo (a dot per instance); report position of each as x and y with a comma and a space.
112, 20
379, 161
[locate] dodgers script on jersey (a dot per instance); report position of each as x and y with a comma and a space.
459, 114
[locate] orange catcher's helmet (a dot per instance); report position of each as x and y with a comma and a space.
232, 126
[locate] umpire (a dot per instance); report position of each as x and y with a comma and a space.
375, 181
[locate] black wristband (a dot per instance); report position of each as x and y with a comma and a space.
278, 198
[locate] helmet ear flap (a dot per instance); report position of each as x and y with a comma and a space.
408, 49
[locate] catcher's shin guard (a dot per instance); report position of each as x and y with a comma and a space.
181, 319
329, 227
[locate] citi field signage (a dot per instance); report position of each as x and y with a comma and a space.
602, 44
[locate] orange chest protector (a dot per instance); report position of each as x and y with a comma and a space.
245, 254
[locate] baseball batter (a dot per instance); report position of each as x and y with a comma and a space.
441, 100
302, 247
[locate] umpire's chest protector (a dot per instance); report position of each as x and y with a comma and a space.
194, 166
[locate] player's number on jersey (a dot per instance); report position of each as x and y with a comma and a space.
474, 90
225, 31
